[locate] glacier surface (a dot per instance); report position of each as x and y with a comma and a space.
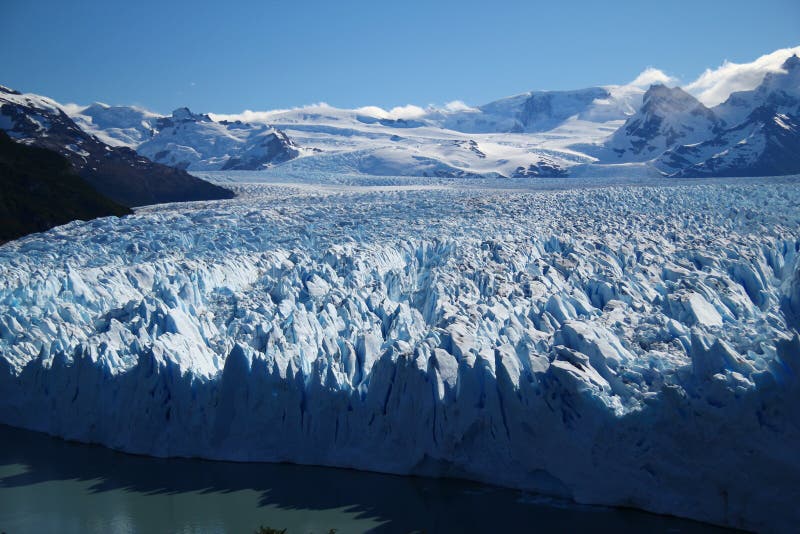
614, 342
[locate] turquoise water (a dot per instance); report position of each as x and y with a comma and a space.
51, 486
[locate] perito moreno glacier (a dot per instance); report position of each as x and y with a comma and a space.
628, 343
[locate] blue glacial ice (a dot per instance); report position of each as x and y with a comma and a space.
631, 345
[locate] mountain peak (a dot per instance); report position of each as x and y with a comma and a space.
664, 101
791, 63
662, 92
184, 114
8, 90
669, 116
657, 88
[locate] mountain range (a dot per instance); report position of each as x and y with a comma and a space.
757, 133
117, 172
186, 140
638, 128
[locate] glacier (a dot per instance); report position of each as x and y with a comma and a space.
619, 342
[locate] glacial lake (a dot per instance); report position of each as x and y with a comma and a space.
51, 486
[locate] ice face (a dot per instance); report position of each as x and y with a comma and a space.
631, 345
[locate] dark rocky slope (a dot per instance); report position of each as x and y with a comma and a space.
40, 190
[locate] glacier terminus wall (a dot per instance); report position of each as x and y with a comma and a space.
629, 344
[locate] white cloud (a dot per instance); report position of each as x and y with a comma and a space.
714, 86
652, 76
373, 111
406, 112
72, 109
411, 111
458, 105
249, 115
400, 112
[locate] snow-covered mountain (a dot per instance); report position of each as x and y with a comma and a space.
779, 91
762, 136
645, 127
766, 144
187, 140
116, 125
524, 135
413, 143
542, 111
119, 173
668, 117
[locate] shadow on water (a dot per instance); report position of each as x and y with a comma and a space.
77, 487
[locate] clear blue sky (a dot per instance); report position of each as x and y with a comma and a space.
227, 56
